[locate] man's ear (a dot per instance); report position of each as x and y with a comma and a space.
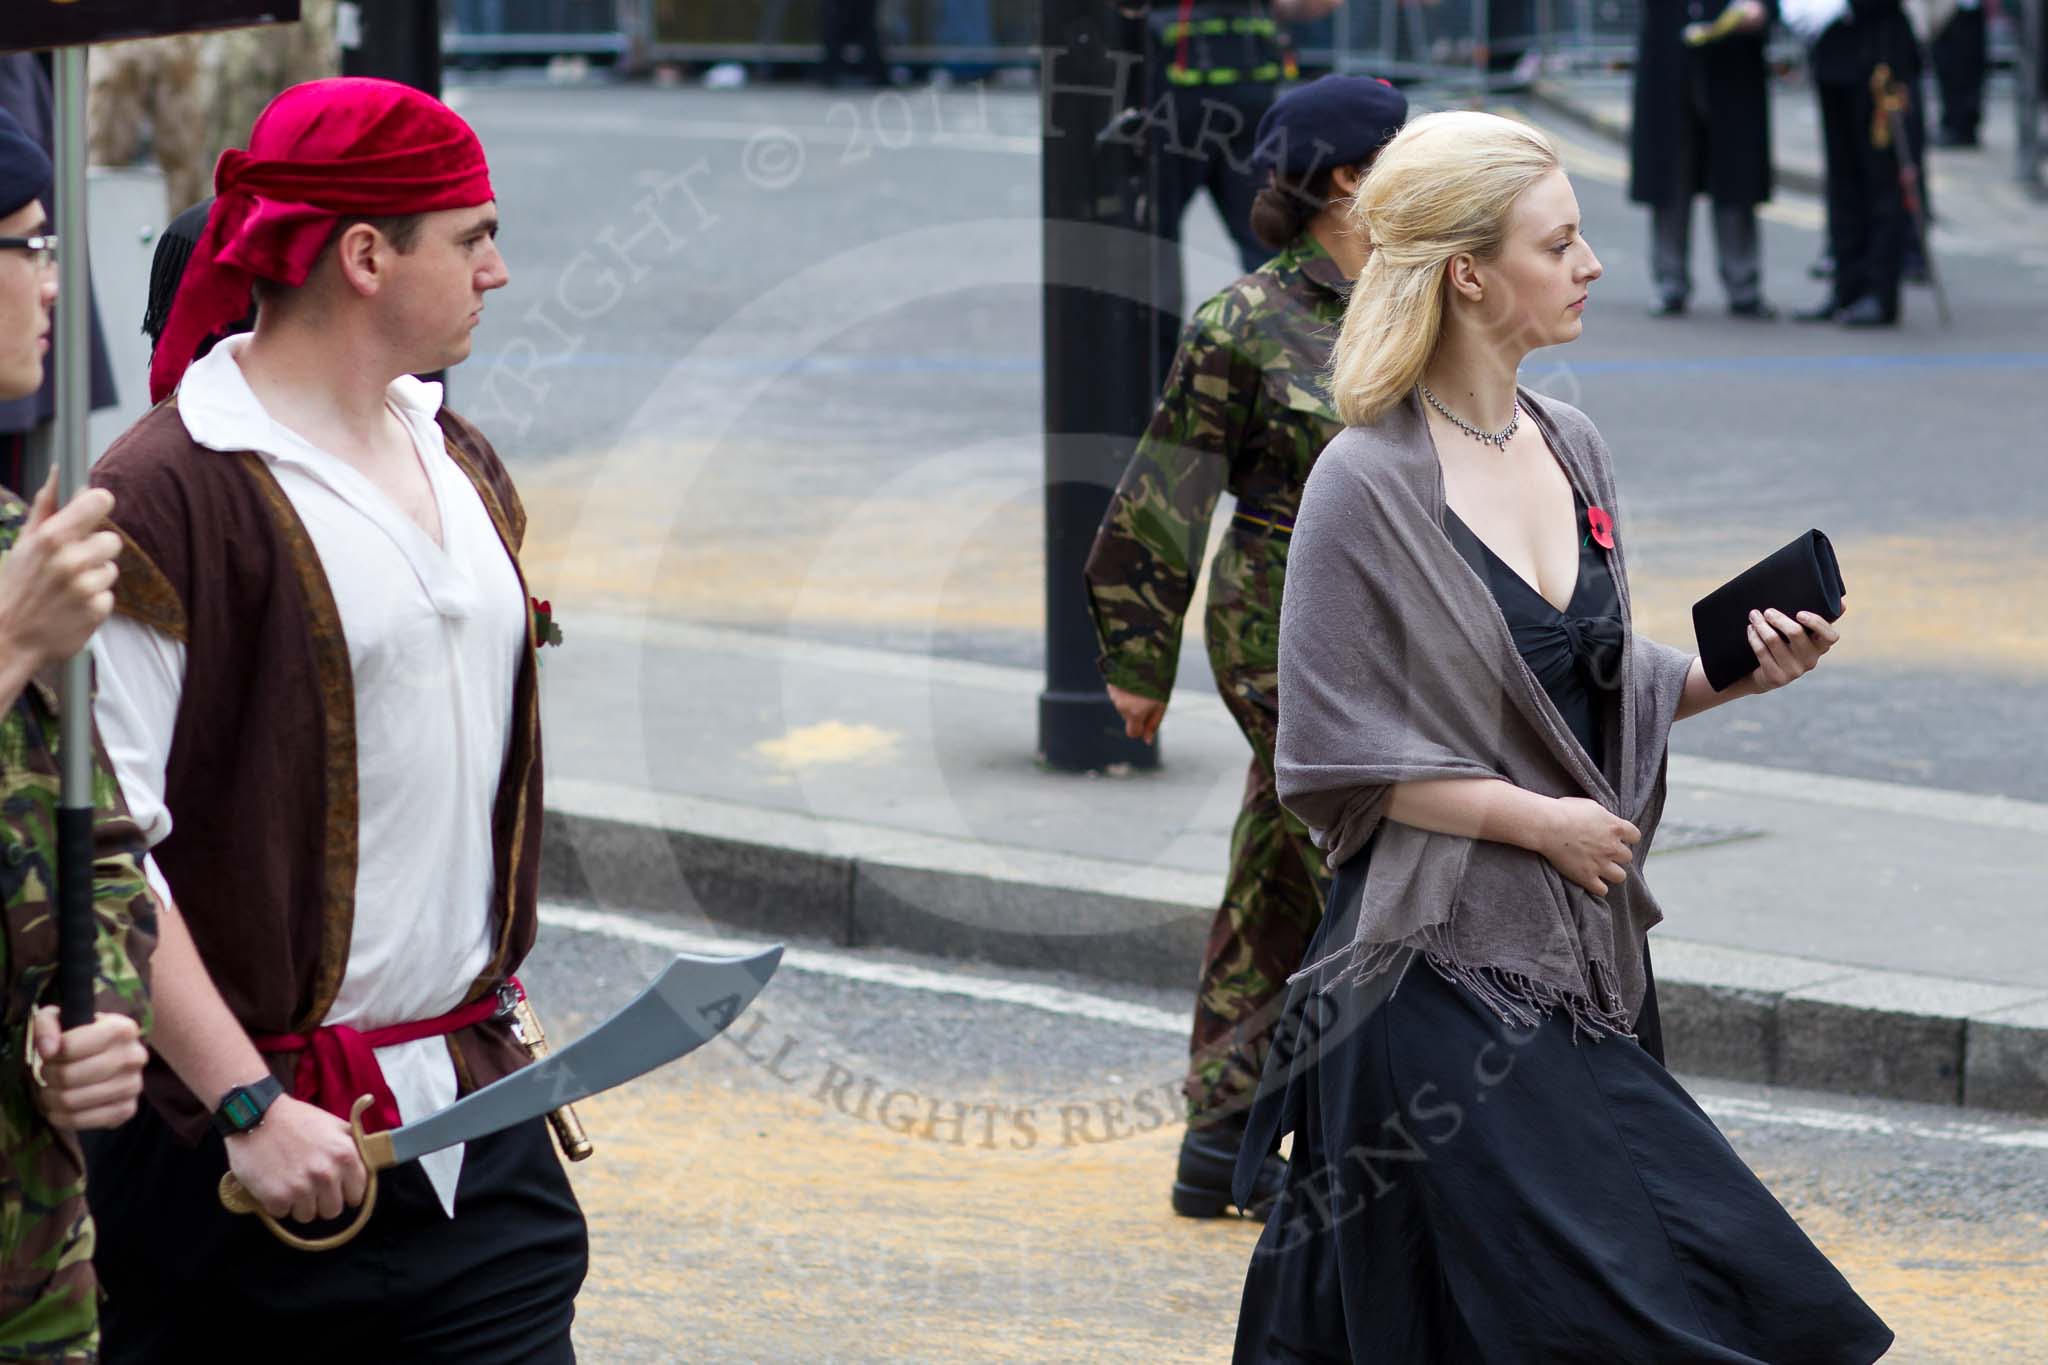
360, 252
1345, 180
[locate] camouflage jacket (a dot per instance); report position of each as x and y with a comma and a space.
1245, 409
49, 1300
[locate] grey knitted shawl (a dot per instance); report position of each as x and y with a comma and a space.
1397, 666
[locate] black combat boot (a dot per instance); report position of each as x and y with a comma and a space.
1208, 1156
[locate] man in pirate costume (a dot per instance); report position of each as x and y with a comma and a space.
56, 575
320, 691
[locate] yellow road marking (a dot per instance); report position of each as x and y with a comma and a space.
828, 742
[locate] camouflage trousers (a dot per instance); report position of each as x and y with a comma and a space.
1273, 896
1272, 903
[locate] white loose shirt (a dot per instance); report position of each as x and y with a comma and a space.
434, 639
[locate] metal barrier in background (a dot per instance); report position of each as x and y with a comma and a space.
499, 28
958, 33
1476, 44
1489, 43
1415, 39
2030, 71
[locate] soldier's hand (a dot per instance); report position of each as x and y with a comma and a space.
300, 1162
1141, 714
91, 1076
57, 584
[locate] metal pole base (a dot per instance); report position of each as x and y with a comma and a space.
1080, 732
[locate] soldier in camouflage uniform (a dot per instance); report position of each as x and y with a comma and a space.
1244, 409
151, 84
56, 569
244, 69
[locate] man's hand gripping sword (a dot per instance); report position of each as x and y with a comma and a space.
691, 1002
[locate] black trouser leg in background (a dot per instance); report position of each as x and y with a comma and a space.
1961, 53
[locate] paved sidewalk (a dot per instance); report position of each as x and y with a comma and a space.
1980, 206
1823, 932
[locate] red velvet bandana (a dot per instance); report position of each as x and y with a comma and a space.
320, 152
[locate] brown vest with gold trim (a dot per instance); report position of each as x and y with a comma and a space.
261, 779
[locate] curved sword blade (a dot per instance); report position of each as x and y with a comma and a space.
691, 1002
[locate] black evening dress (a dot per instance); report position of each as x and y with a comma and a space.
1464, 1192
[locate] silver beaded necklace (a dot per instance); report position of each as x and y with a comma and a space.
1500, 442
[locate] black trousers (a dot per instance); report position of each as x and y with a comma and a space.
1867, 226
187, 1281
1961, 53
852, 24
1205, 143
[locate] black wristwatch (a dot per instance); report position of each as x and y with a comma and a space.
242, 1109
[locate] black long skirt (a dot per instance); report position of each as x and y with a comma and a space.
1463, 1191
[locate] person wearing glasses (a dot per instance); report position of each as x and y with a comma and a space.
56, 581
26, 421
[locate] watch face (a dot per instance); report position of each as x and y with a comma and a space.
241, 1109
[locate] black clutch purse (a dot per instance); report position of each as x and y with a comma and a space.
1801, 577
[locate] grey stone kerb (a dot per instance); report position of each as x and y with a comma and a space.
1739, 1015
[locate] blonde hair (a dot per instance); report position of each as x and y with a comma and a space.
1446, 185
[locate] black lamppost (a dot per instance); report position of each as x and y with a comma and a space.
1101, 368
399, 40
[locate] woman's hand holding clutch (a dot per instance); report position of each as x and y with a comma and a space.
1788, 649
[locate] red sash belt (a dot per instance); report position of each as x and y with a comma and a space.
338, 1063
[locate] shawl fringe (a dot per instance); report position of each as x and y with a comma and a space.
1515, 999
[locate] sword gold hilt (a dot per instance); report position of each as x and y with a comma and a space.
375, 1149
1887, 97
568, 1129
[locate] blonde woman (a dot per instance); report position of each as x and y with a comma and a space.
1487, 1165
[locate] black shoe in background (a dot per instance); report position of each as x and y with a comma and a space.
1755, 309
1824, 311
1208, 1156
1668, 308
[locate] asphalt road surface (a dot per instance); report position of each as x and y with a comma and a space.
900, 1159
743, 326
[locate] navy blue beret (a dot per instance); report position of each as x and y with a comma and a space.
25, 171
1331, 121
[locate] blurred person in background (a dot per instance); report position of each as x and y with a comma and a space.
1961, 51
853, 44
1870, 235
244, 69
147, 93
1220, 64
1702, 125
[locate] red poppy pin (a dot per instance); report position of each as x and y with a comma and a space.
545, 631
1600, 527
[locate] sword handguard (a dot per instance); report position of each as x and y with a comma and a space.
375, 1149
568, 1129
